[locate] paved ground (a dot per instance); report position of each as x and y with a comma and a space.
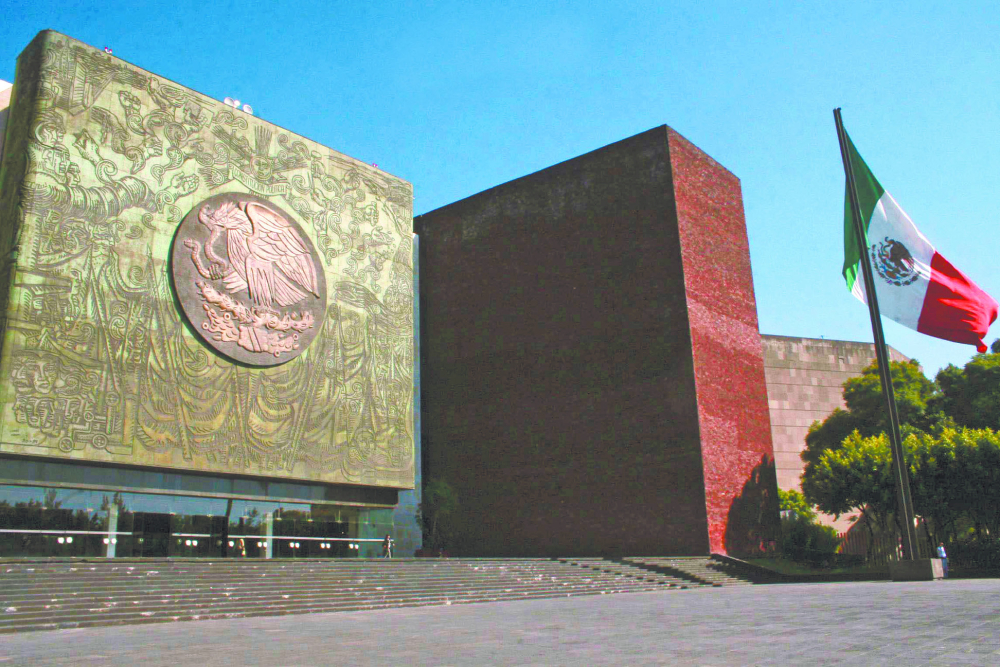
934, 623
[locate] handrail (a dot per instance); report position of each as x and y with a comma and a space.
232, 537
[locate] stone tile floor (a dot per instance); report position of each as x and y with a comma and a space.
953, 622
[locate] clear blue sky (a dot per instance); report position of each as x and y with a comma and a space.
457, 97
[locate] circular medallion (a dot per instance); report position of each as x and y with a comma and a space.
249, 279
894, 263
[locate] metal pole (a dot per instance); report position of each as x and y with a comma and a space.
903, 497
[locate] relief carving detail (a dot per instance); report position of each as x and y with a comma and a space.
248, 279
282, 254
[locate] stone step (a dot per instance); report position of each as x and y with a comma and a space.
624, 569
97, 598
221, 609
149, 586
699, 569
97, 601
66, 593
192, 603
202, 563
256, 610
327, 576
263, 572
255, 571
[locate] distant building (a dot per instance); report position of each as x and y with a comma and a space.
805, 379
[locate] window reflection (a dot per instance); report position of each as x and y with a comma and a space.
40, 521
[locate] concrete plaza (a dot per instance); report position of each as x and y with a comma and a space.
953, 622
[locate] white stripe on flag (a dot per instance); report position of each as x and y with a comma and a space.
901, 300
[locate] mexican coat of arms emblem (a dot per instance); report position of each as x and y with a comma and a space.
249, 279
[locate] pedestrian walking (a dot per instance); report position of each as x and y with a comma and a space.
387, 547
943, 555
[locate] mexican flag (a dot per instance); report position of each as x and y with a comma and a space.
915, 285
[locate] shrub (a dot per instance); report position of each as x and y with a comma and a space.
804, 539
982, 553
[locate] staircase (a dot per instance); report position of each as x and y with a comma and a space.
75, 593
625, 568
702, 571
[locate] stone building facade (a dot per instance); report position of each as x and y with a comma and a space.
593, 380
805, 378
208, 340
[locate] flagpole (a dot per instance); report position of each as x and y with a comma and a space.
903, 498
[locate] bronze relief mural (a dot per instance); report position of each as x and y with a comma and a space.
248, 279
153, 236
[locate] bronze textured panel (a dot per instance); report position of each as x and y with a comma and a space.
98, 361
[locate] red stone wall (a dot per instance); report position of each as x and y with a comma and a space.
557, 384
733, 418
592, 376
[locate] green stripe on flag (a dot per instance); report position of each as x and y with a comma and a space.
869, 192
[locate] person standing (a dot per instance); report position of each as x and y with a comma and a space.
387, 546
943, 555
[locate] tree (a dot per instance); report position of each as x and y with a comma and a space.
115, 499
793, 501
802, 536
857, 476
913, 392
975, 480
951, 452
954, 477
916, 403
931, 484
828, 434
49, 500
971, 396
439, 502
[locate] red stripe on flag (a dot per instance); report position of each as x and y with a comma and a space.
955, 308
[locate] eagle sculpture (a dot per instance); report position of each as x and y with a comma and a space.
266, 255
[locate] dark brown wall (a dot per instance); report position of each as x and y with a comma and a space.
558, 384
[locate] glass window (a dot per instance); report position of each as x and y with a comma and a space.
40, 521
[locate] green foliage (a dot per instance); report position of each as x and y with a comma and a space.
971, 396
974, 483
828, 434
794, 501
951, 447
806, 540
980, 553
917, 403
854, 477
911, 387
440, 501
933, 495
803, 538
954, 479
